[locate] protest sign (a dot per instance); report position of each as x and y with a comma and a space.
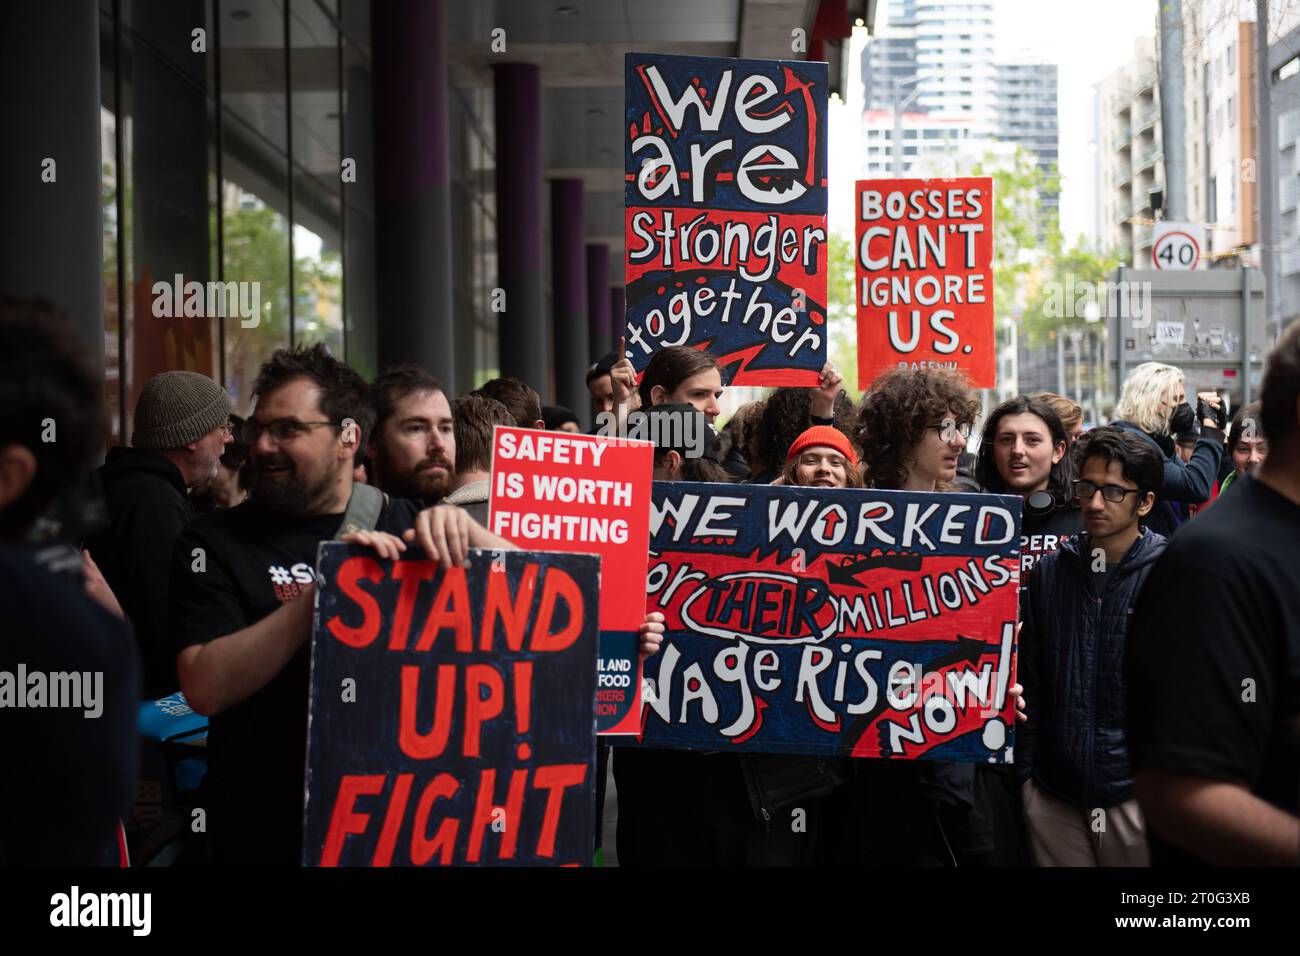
554, 491
832, 621
925, 276
725, 195
451, 717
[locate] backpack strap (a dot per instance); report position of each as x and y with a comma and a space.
364, 508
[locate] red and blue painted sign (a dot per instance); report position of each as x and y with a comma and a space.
452, 715
844, 622
725, 195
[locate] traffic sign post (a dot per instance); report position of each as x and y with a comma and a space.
1176, 245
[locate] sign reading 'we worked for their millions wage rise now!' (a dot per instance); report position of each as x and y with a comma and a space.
725, 196
581, 493
925, 276
451, 712
833, 621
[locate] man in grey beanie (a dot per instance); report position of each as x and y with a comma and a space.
181, 428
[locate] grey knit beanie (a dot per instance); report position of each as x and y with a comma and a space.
176, 408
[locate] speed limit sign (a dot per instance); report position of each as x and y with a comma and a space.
1176, 245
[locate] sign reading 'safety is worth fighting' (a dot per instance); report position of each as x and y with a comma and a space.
552, 491
925, 276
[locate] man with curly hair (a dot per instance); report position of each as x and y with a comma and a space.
912, 428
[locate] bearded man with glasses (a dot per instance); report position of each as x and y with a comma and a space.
1072, 757
243, 589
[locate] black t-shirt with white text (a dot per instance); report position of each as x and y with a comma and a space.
1214, 652
251, 564
1043, 534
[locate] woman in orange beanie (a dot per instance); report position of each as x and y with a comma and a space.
822, 457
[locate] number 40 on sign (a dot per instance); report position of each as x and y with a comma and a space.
1177, 245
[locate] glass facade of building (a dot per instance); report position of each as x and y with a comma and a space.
237, 147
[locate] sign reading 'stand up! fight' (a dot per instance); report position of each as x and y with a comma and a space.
725, 195
833, 621
451, 718
925, 276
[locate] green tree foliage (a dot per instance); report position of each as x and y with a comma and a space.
842, 346
1058, 295
1021, 229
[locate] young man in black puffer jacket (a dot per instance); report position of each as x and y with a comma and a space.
1072, 754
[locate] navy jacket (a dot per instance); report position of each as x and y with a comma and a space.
1072, 667
1190, 483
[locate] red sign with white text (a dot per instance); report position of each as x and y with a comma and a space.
924, 287
556, 491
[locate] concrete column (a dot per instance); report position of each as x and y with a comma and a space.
51, 241
569, 294
412, 186
522, 340
600, 338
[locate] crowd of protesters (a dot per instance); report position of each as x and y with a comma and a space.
1159, 642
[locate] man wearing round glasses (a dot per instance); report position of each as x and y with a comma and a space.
1072, 753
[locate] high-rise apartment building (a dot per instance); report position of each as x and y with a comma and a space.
1026, 99
943, 49
1219, 122
1131, 154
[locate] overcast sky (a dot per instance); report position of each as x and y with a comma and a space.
1086, 42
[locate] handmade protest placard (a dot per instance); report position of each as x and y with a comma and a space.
925, 276
555, 491
833, 621
725, 196
451, 717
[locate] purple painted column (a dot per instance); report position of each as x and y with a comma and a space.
617, 313
522, 342
598, 300
413, 267
569, 295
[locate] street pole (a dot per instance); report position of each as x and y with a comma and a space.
1060, 361
1171, 108
898, 135
1100, 383
1266, 180
1078, 367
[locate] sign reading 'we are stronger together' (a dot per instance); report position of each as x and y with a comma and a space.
725, 195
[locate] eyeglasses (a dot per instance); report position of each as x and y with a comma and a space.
1086, 489
281, 430
948, 429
